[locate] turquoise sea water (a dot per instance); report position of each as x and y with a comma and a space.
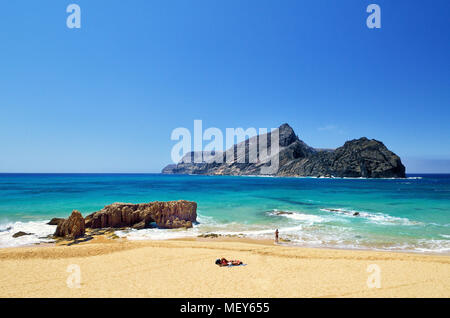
404, 214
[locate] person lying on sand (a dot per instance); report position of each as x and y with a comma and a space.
224, 262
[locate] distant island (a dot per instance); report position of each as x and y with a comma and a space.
358, 158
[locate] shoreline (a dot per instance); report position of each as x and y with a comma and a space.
286, 177
185, 268
229, 238
269, 242
105, 239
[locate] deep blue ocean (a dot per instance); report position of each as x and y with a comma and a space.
410, 214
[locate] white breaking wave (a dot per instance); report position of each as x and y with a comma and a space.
208, 225
263, 233
374, 217
307, 218
302, 230
38, 233
424, 246
156, 234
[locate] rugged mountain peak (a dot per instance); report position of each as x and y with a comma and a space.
368, 158
363, 142
371, 158
287, 135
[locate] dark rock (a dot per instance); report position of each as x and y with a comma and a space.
356, 214
367, 158
209, 235
282, 213
55, 221
139, 226
19, 234
169, 169
7, 229
172, 214
357, 158
71, 228
80, 240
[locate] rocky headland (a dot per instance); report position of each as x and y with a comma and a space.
358, 158
167, 215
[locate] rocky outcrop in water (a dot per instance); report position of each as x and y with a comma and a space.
20, 234
169, 215
55, 221
71, 228
357, 158
367, 158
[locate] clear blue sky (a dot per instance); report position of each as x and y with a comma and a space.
106, 98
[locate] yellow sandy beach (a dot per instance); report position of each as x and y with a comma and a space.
185, 268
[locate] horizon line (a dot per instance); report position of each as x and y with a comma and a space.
424, 173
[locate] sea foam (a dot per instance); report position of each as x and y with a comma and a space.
375, 217
39, 232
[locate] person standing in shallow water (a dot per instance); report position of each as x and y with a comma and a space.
276, 236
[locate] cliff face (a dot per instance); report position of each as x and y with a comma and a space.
172, 214
356, 158
168, 215
73, 227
